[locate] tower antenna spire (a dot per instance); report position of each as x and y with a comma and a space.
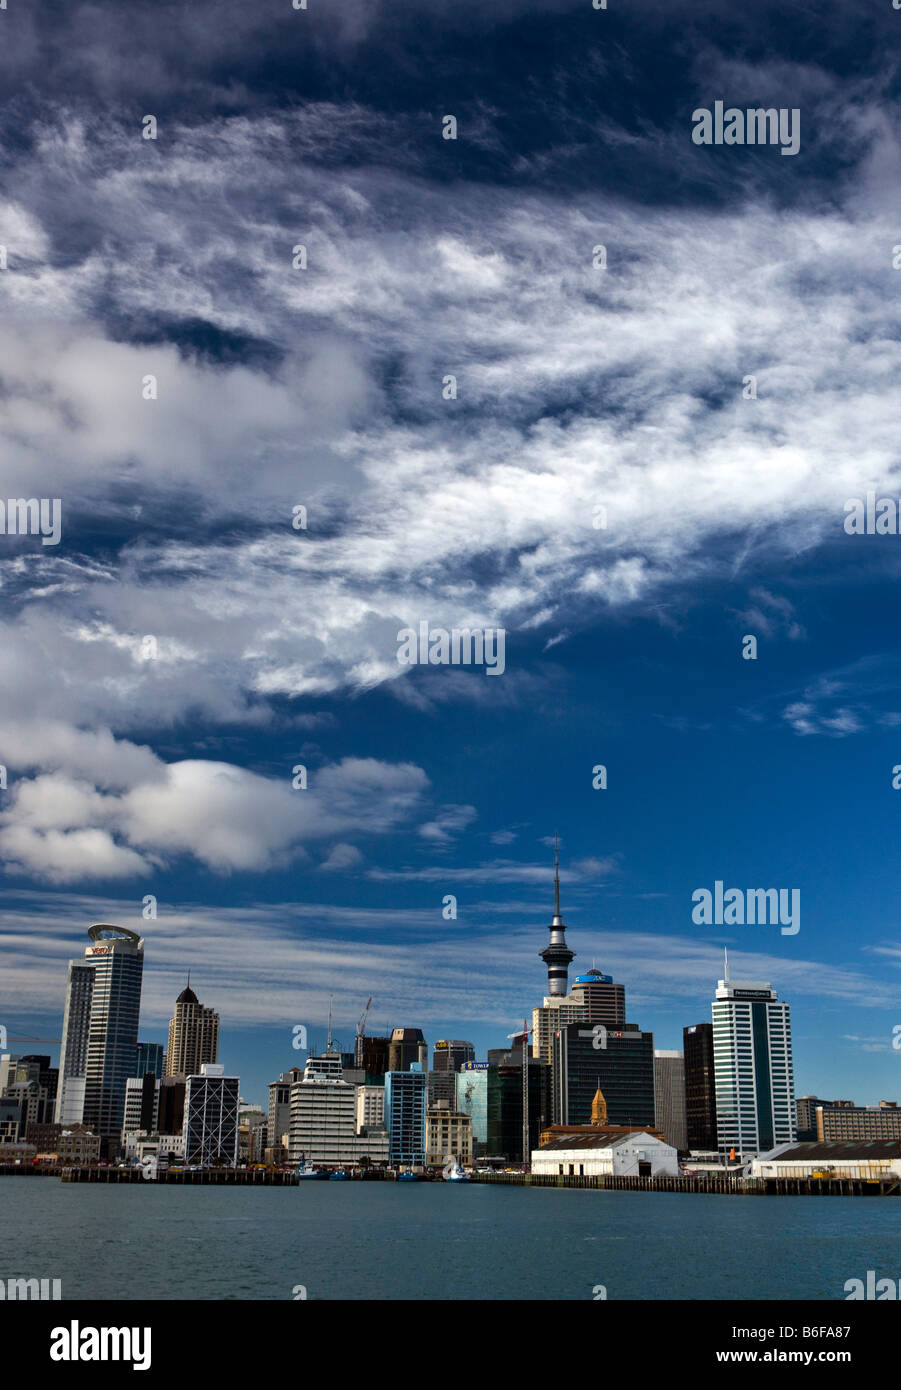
726, 963
557, 954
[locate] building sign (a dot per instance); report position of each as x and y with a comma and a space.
474, 1066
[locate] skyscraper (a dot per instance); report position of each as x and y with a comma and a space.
622, 1068
669, 1097
557, 955
605, 1002
150, 1059
193, 1035
700, 1087
405, 1112
450, 1055
323, 1123
752, 1058
73, 1058
100, 1031
407, 1046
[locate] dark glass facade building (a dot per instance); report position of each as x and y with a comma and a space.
505, 1107
623, 1069
700, 1087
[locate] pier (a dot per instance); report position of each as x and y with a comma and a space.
699, 1183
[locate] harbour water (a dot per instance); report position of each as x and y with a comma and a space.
438, 1241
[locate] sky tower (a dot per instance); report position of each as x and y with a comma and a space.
557, 954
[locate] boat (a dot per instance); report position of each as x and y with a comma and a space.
339, 1175
455, 1173
306, 1170
408, 1177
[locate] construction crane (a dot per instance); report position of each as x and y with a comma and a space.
10, 1038
361, 1033
361, 1026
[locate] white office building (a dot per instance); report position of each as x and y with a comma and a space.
753, 1071
370, 1107
323, 1125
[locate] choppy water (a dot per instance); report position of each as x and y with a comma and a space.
438, 1241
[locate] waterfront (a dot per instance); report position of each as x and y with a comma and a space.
438, 1241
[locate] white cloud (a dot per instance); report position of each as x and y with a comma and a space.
228, 818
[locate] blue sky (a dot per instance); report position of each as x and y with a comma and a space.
578, 388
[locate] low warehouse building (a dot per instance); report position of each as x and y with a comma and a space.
869, 1159
611, 1152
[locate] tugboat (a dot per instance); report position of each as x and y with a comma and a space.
306, 1170
408, 1176
339, 1175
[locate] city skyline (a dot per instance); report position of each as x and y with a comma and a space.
478, 1029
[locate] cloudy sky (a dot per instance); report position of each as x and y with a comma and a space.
166, 667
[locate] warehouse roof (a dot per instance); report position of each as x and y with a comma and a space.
840, 1149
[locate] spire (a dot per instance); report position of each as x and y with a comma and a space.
726, 964
557, 954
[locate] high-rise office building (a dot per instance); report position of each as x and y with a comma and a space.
605, 1001
211, 1117
450, 1055
371, 1055
623, 1069
405, 1112
100, 1031
141, 1103
700, 1087
552, 1014
504, 1105
193, 1036
407, 1046
370, 1107
171, 1105
150, 1059
752, 1058
323, 1125
279, 1123
442, 1086
73, 1057
669, 1091
472, 1100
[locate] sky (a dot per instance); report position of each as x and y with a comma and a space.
606, 484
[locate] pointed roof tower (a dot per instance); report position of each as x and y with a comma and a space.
557, 955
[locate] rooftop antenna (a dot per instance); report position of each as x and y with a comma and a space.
556, 878
726, 966
328, 1046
